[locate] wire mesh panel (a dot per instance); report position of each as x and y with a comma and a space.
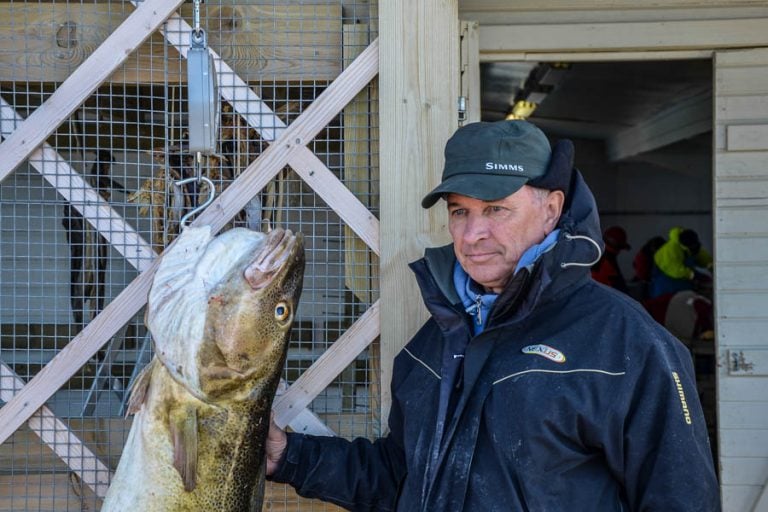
83, 219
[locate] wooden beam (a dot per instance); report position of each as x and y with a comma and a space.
294, 140
560, 5
470, 69
608, 37
749, 137
56, 38
79, 193
511, 56
339, 197
259, 116
44, 490
681, 120
328, 366
232, 200
419, 85
56, 434
147, 17
361, 171
306, 421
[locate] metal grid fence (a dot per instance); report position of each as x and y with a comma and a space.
127, 141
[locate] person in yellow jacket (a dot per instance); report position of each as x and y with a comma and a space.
675, 262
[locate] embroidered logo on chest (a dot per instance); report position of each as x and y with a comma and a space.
545, 351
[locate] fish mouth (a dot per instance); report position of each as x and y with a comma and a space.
281, 246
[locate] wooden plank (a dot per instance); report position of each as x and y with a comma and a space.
547, 5
335, 194
419, 84
742, 81
741, 220
762, 500
306, 422
742, 303
56, 435
592, 56
738, 332
748, 362
739, 165
605, 37
742, 108
752, 137
739, 497
743, 470
749, 277
25, 449
470, 69
27, 137
60, 491
81, 195
682, 120
749, 57
56, 38
741, 189
740, 389
744, 415
233, 199
328, 366
744, 442
44, 492
361, 174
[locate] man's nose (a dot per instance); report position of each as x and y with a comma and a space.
475, 229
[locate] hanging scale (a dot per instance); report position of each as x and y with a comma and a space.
203, 96
202, 108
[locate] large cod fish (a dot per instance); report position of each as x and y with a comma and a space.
220, 312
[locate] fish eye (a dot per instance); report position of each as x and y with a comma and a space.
282, 312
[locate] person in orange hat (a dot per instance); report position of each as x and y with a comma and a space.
607, 270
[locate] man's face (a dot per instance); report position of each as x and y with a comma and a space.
490, 236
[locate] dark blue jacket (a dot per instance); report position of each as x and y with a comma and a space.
572, 398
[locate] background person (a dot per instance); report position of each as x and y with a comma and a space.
607, 270
531, 387
643, 264
676, 263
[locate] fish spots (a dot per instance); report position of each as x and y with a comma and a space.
217, 300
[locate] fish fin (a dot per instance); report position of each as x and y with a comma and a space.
184, 435
257, 497
139, 389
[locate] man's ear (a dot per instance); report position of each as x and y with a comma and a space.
553, 208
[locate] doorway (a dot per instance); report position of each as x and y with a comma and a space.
642, 131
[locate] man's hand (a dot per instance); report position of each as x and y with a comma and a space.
275, 446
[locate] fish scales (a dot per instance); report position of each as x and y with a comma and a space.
220, 312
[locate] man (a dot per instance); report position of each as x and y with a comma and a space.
531, 387
607, 270
676, 262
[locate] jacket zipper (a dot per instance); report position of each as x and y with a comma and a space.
478, 309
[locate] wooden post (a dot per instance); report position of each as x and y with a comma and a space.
419, 87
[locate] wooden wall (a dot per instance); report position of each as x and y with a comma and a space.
741, 287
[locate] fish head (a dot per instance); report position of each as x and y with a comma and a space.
250, 316
220, 309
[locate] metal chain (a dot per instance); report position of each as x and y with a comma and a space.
196, 15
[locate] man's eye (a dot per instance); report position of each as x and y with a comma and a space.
457, 212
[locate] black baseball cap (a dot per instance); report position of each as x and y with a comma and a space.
490, 161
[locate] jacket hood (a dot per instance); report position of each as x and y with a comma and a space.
567, 264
